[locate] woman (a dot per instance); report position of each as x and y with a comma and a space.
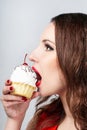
61, 60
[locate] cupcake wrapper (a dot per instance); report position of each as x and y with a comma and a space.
22, 89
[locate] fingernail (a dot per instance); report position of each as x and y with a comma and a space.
11, 88
8, 81
24, 99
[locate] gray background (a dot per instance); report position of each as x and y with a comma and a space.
21, 24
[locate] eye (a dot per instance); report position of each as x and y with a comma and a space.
48, 47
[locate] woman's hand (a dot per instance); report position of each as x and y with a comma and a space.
15, 106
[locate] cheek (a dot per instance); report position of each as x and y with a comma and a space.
50, 67
53, 84
53, 79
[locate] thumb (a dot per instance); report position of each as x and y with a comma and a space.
35, 94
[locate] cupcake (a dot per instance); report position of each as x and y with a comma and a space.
24, 81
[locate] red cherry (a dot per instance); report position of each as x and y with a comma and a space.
25, 64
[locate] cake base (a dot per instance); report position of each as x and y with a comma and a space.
23, 89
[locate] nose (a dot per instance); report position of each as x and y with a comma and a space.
33, 56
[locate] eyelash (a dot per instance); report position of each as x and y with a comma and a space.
48, 47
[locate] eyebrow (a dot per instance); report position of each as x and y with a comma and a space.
45, 40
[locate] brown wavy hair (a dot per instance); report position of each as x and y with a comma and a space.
71, 47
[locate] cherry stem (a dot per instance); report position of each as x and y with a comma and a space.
25, 58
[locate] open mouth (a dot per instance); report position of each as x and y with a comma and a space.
38, 77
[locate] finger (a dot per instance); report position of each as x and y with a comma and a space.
8, 82
12, 98
1, 98
35, 94
8, 90
11, 104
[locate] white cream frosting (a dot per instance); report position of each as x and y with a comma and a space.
24, 74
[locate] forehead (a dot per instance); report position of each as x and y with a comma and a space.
49, 33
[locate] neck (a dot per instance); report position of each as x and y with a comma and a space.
66, 107
68, 115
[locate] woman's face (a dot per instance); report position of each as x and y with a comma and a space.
46, 63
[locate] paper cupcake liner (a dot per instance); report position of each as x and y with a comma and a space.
23, 89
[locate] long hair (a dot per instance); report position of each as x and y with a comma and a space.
71, 47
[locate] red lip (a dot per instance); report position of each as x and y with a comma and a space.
38, 76
33, 68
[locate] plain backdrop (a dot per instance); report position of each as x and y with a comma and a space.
21, 25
